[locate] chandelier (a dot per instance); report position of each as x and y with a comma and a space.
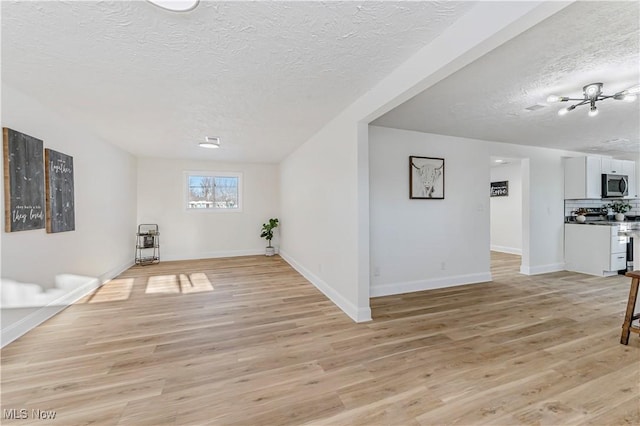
592, 94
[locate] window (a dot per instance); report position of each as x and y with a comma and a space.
214, 191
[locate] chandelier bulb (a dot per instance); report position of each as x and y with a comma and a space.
553, 98
593, 111
633, 90
563, 111
629, 98
592, 91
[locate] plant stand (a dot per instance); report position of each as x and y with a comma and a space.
147, 244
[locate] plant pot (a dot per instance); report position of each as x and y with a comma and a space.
270, 251
581, 218
619, 217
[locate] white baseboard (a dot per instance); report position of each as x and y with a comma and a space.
421, 285
213, 254
358, 314
40, 315
504, 249
542, 269
114, 272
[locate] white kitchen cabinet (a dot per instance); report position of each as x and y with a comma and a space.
594, 249
629, 169
611, 166
582, 178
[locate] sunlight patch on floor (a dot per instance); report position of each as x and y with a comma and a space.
111, 291
195, 283
183, 283
162, 284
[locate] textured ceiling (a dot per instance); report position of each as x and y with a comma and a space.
584, 43
264, 76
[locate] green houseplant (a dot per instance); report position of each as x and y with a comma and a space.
267, 233
619, 208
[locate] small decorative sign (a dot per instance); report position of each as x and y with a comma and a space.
500, 189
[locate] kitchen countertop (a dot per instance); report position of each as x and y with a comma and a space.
627, 224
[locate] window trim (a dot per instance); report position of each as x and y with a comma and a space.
208, 173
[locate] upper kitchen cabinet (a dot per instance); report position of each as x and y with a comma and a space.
582, 178
610, 166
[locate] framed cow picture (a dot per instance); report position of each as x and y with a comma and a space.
426, 178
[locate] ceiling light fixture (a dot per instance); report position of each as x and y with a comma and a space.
592, 94
176, 5
210, 142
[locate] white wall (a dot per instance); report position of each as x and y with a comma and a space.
327, 237
423, 244
105, 202
542, 205
506, 212
410, 239
319, 214
204, 234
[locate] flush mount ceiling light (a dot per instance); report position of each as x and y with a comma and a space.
210, 142
592, 94
176, 5
500, 161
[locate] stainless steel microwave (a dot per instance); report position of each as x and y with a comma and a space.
615, 186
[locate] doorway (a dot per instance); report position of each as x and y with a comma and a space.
506, 211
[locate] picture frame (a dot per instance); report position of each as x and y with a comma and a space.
499, 189
59, 181
24, 189
426, 178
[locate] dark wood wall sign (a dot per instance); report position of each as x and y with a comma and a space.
59, 180
23, 181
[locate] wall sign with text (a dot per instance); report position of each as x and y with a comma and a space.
500, 189
60, 202
24, 194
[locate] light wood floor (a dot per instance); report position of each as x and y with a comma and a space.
248, 341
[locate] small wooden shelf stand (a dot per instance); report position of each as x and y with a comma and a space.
147, 244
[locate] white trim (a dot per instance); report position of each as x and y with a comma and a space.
112, 273
40, 315
214, 254
214, 174
358, 314
542, 269
430, 284
503, 249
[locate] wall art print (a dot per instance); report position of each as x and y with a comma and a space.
59, 190
24, 194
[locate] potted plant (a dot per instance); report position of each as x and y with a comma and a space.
267, 233
581, 215
619, 208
